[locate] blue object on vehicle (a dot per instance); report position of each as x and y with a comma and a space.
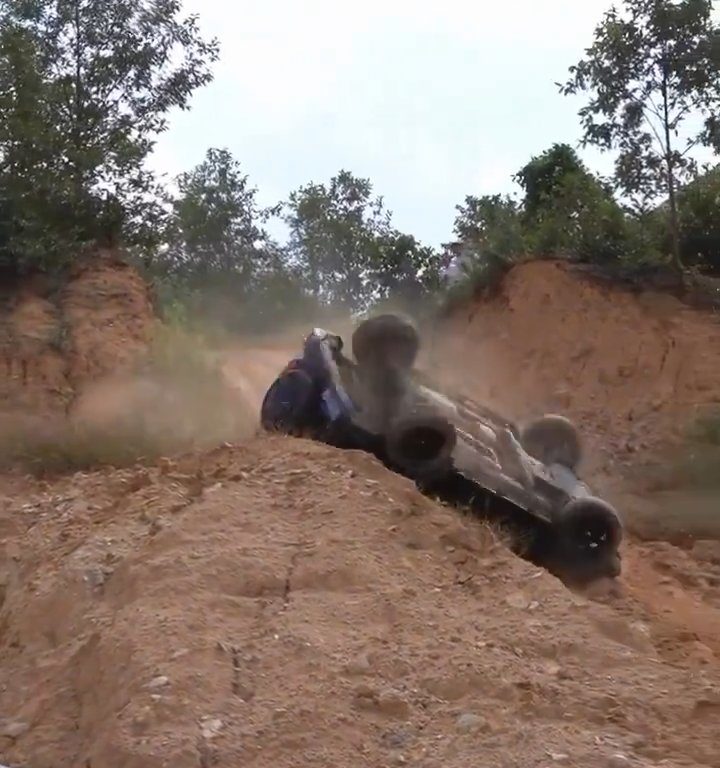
336, 404
288, 403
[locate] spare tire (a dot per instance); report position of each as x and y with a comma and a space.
553, 439
386, 341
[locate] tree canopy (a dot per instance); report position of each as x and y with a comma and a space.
652, 72
85, 88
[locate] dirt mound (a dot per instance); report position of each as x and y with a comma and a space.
281, 604
634, 369
59, 341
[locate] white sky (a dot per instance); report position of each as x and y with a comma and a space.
432, 101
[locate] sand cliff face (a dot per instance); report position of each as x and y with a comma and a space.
57, 343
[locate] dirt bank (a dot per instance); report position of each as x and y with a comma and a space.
60, 340
634, 369
283, 604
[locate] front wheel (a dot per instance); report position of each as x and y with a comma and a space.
588, 533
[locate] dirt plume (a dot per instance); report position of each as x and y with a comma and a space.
92, 377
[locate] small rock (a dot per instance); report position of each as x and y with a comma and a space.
165, 465
703, 653
393, 704
396, 739
559, 757
359, 666
95, 578
158, 682
210, 727
469, 723
517, 600
364, 696
707, 551
13, 729
552, 668
139, 480
618, 761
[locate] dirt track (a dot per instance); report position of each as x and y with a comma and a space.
277, 603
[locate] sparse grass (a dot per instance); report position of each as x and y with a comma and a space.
698, 465
68, 447
683, 488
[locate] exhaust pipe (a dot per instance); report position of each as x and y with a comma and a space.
421, 445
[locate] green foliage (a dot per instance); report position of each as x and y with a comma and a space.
219, 270
543, 178
85, 87
215, 232
491, 226
650, 68
336, 231
699, 218
569, 212
342, 238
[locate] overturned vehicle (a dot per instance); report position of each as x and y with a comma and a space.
454, 449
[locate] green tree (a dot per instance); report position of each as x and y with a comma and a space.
336, 235
85, 88
216, 232
219, 265
652, 67
567, 211
341, 236
491, 226
491, 237
699, 217
406, 270
543, 177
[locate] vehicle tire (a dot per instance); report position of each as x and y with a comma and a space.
386, 340
287, 403
553, 439
421, 445
588, 533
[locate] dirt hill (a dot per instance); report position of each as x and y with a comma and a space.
283, 604
278, 603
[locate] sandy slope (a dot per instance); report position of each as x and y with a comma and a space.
282, 604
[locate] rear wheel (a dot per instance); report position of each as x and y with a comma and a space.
553, 439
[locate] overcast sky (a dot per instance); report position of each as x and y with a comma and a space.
431, 100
